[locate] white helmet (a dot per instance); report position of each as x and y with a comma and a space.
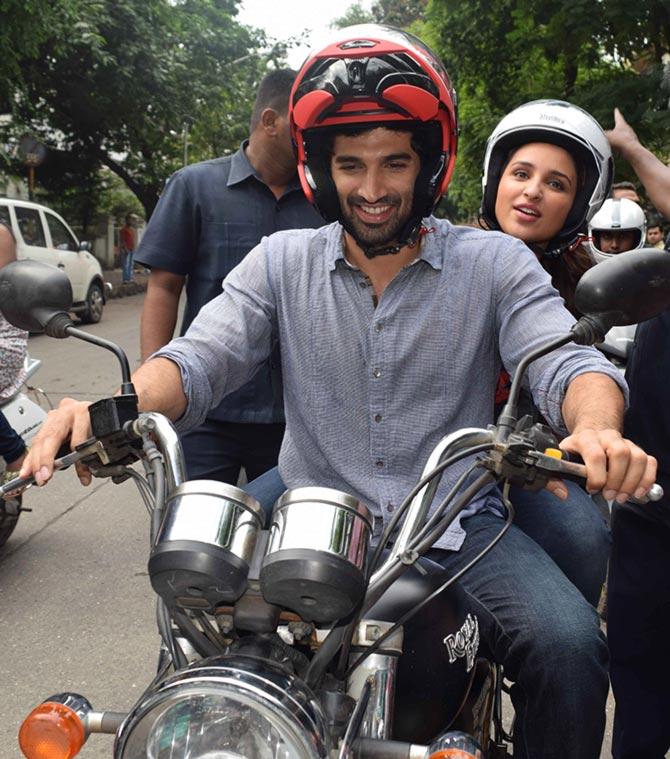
618, 215
569, 127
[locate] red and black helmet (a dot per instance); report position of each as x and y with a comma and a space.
377, 76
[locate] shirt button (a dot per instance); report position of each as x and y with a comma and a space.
378, 417
377, 373
379, 327
389, 507
379, 463
363, 284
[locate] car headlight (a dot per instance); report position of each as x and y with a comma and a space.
231, 707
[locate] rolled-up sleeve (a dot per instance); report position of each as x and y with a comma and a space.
228, 341
530, 313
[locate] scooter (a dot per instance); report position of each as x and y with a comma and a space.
25, 416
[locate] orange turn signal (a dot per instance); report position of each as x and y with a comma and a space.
452, 753
51, 731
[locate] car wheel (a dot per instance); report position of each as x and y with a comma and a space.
94, 304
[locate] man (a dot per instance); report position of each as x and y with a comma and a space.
639, 585
655, 235
209, 217
625, 190
392, 329
619, 225
127, 248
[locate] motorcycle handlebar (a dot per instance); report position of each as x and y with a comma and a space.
574, 467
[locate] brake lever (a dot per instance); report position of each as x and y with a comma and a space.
561, 467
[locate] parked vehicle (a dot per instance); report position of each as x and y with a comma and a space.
25, 416
42, 235
303, 641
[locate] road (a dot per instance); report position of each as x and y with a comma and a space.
77, 606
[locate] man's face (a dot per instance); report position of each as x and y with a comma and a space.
374, 174
654, 235
284, 144
616, 242
627, 193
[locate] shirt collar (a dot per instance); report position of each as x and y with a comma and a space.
241, 169
432, 246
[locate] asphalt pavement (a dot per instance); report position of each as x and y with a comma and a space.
77, 609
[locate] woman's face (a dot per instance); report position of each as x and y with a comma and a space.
535, 192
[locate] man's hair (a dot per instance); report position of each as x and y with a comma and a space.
419, 133
273, 92
624, 186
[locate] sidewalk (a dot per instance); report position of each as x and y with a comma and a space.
119, 288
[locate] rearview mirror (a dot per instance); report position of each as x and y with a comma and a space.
32, 293
628, 288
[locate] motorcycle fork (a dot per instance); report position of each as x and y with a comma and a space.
501, 739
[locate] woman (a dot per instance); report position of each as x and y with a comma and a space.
548, 169
13, 344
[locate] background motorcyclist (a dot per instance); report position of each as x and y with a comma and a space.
384, 351
620, 225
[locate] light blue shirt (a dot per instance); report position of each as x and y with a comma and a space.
369, 391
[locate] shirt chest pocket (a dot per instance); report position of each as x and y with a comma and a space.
223, 245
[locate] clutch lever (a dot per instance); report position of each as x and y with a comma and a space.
89, 448
565, 468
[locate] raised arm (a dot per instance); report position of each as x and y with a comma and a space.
653, 173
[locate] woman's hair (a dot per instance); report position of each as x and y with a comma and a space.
565, 271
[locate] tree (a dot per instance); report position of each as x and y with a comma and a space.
128, 81
595, 53
398, 13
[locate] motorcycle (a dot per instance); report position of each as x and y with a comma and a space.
618, 344
25, 416
305, 641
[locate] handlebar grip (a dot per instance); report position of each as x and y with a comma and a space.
572, 465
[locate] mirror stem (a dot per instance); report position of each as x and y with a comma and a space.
127, 386
508, 416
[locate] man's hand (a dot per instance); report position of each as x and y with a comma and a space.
622, 137
70, 421
614, 465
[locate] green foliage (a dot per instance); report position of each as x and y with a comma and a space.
355, 14
128, 78
595, 53
399, 13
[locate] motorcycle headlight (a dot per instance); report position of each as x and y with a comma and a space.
226, 708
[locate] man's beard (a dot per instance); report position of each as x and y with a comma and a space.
376, 239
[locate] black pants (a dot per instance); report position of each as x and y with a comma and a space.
11, 444
218, 450
638, 628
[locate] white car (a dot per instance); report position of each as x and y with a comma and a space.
42, 235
